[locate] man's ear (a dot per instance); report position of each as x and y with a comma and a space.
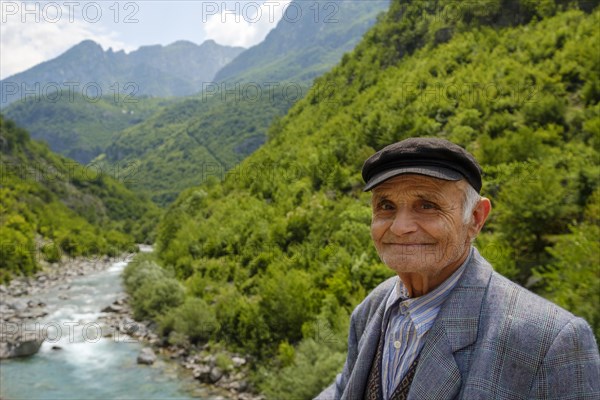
480, 214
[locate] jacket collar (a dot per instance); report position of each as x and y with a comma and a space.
456, 327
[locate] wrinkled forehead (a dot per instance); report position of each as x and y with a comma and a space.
419, 186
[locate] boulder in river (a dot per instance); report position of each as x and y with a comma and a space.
20, 346
146, 356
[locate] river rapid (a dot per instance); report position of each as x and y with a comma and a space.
77, 362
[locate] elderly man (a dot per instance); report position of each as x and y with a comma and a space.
447, 326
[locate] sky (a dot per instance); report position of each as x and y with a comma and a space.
35, 31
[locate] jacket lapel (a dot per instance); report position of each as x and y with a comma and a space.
366, 354
367, 348
438, 373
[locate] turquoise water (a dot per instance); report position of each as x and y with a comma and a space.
89, 366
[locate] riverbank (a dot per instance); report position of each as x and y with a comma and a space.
223, 375
19, 307
227, 372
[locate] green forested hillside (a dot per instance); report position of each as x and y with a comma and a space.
77, 126
185, 144
51, 207
280, 252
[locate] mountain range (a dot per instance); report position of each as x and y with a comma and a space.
179, 143
178, 69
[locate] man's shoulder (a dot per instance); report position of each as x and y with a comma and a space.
508, 301
505, 297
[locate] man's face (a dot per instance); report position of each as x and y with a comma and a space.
417, 224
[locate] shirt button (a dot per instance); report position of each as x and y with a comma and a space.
397, 344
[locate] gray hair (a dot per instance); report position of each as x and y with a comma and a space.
470, 202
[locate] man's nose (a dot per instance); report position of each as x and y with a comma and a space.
404, 222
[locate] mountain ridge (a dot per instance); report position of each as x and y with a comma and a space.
177, 69
329, 35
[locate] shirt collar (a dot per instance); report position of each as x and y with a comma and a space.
423, 310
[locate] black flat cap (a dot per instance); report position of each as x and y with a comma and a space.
434, 157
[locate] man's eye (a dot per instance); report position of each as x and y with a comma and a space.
428, 206
386, 206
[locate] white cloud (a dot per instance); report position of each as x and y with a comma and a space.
29, 36
242, 23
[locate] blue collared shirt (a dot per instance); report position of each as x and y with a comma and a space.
408, 322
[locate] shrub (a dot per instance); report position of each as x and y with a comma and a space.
152, 290
195, 319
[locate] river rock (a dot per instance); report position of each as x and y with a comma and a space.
7, 315
33, 313
19, 305
215, 374
238, 361
237, 386
113, 308
202, 373
120, 301
146, 356
210, 360
35, 303
4, 308
21, 292
20, 347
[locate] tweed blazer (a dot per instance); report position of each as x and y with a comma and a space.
492, 339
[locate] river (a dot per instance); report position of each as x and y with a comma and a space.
76, 362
